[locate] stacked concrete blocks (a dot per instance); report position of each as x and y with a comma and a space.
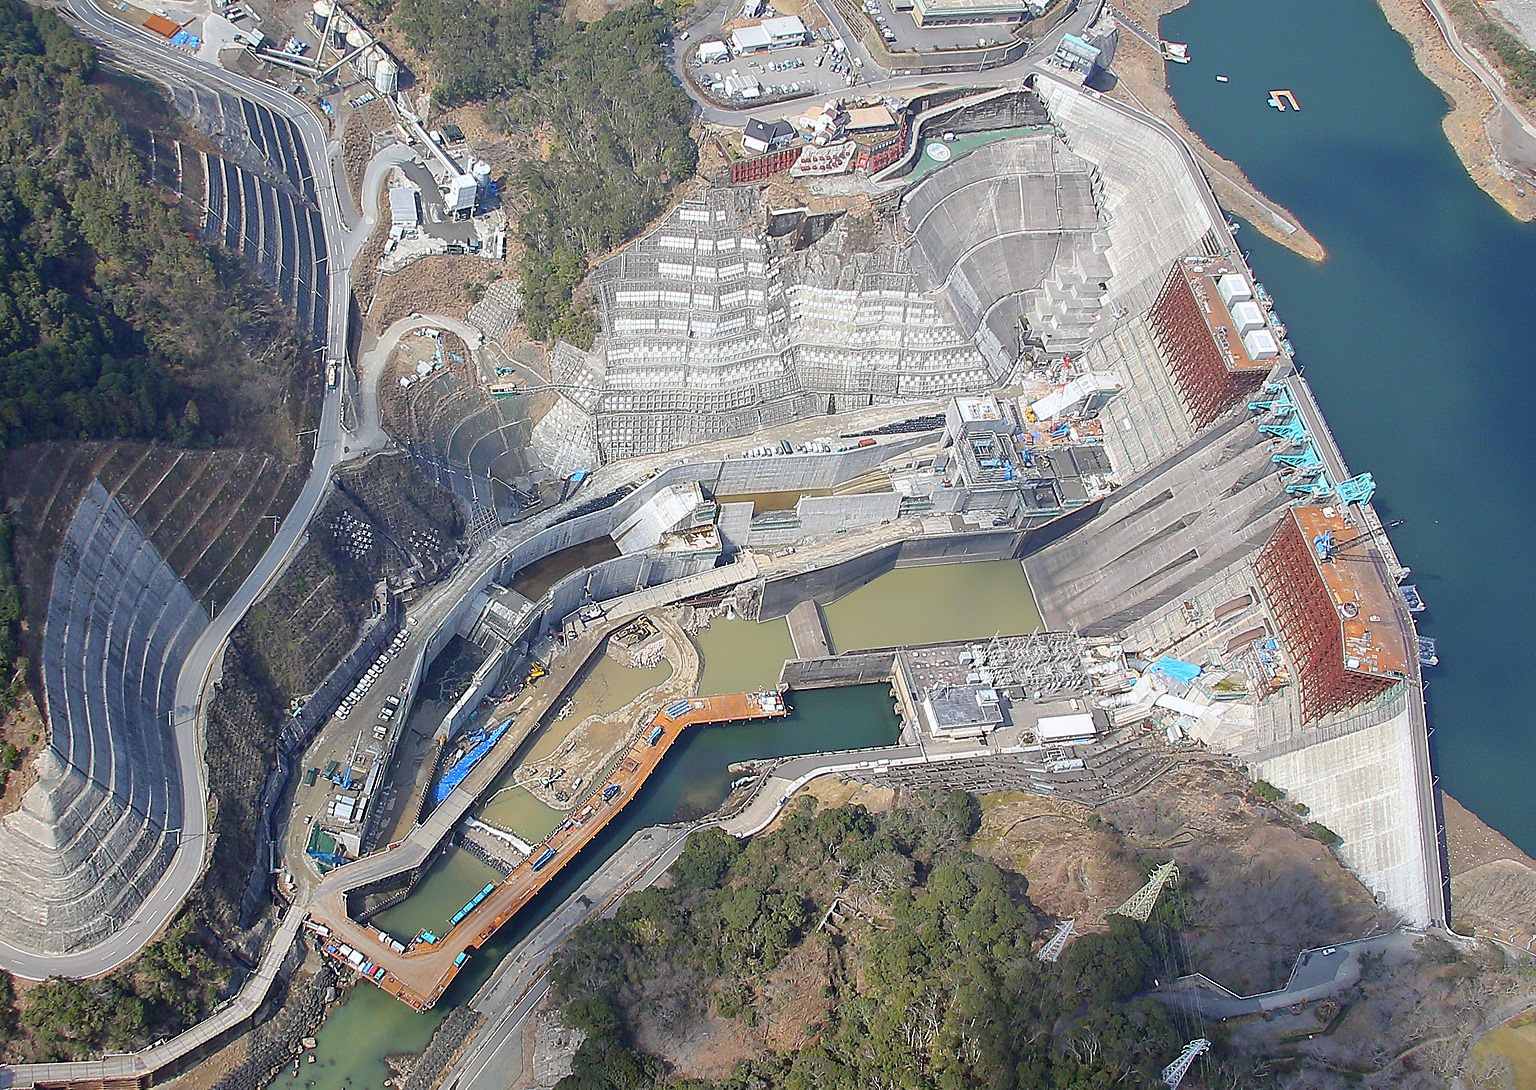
96, 831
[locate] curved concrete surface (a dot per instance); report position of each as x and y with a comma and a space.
97, 828
369, 433
150, 57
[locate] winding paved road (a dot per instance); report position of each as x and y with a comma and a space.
138, 52
1489, 79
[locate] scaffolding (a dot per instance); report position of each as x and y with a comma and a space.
1209, 374
1309, 626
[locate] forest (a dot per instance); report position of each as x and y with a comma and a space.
923, 978
611, 117
109, 311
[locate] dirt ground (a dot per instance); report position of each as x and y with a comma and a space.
358, 143
21, 726
433, 285
589, 11
1493, 883
1076, 871
598, 739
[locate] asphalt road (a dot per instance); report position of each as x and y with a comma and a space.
876, 81
138, 52
1317, 974
374, 357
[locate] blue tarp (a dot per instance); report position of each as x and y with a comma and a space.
1176, 669
466, 764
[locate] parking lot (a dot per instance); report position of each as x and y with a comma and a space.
799, 71
358, 739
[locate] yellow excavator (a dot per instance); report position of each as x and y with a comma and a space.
535, 672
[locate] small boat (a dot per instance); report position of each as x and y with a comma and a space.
1222, 79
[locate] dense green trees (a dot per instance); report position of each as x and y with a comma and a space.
939, 991
173, 982
601, 97
620, 143
114, 322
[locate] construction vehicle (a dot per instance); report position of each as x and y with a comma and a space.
535, 672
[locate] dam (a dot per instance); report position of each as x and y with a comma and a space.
1158, 468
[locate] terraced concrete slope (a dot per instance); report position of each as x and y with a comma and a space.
98, 829
1012, 231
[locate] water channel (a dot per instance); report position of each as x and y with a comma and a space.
534, 579
370, 1026
1414, 333
740, 656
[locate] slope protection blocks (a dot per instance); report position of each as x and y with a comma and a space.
97, 830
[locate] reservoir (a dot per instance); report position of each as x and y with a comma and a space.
369, 1026
1414, 334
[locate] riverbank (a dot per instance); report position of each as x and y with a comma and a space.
1493, 882
1474, 113
1143, 83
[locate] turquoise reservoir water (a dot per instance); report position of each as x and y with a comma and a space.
1415, 333
351, 1048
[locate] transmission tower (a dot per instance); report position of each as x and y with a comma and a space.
1052, 950
1174, 1073
1141, 903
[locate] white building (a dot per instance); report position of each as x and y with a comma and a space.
459, 194
778, 33
404, 207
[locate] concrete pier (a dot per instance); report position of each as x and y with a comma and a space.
808, 631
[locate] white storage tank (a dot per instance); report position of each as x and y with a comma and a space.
1233, 288
356, 39
1248, 316
481, 170
386, 77
1261, 345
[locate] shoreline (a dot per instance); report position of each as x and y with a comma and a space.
1143, 83
1473, 107
1492, 881
1472, 112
